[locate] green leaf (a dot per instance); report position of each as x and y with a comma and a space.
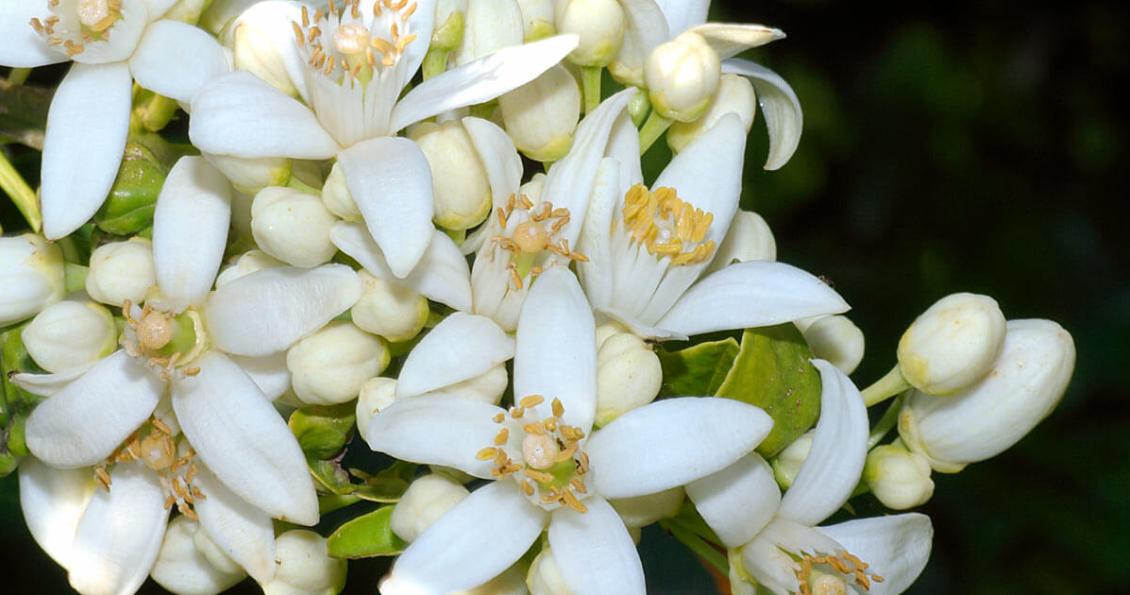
330, 476
773, 371
366, 536
129, 208
322, 430
698, 370
387, 486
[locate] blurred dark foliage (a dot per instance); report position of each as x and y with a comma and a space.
963, 146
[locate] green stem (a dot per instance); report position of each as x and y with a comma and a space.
885, 424
75, 277
435, 62
886, 387
301, 186
21, 194
18, 75
699, 546
156, 112
590, 85
652, 129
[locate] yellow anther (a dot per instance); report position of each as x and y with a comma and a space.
487, 453
531, 401
667, 226
502, 436
558, 408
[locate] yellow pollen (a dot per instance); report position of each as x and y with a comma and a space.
351, 38
667, 225
154, 330
540, 451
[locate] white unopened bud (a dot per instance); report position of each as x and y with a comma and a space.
31, 276
537, 19
293, 226
682, 77
952, 344
331, 365
789, 461
376, 394
544, 577
182, 568
541, 115
391, 310
749, 238
247, 263
900, 479
1021, 388
835, 339
121, 271
735, 96
628, 376
598, 23
215, 556
304, 567
262, 42
459, 179
487, 387
427, 499
251, 175
489, 27
336, 196
68, 335
642, 511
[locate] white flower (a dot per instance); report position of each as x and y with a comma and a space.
31, 276
647, 250
776, 539
349, 67
550, 474
113, 43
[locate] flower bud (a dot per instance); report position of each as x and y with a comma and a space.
1022, 387
642, 511
487, 387
489, 27
900, 479
391, 310
182, 568
215, 556
749, 238
261, 39
304, 567
628, 376
249, 176
735, 96
544, 577
952, 344
450, 21
121, 271
835, 339
541, 115
68, 335
133, 197
31, 276
247, 263
789, 461
376, 394
331, 365
336, 196
293, 226
427, 499
682, 77
537, 19
598, 23
459, 180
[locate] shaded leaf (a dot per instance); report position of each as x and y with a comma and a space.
366, 536
697, 370
323, 430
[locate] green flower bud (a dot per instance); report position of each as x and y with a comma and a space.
31, 276
304, 566
900, 479
293, 226
459, 179
391, 310
331, 365
68, 335
952, 344
682, 77
541, 115
426, 500
133, 197
121, 271
599, 24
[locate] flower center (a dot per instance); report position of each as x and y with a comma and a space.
346, 44
75, 23
98, 15
814, 582
527, 232
542, 456
165, 340
667, 225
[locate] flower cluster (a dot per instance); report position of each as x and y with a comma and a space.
421, 228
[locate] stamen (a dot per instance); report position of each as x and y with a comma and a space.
667, 226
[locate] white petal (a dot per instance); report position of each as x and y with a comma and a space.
594, 551
779, 103
120, 533
556, 348
897, 547
82, 149
673, 442
481, 80
749, 295
646, 28
442, 275
444, 430
596, 273
244, 533
175, 59
475, 541
53, 501
190, 230
683, 14
839, 448
459, 348
739, 500
46, 385
183, 569
423, 22
242, 439
271, 22
23, 47
269, 373
157, 8
730, 39
238, 114
267, 311
498, 156
86, 421
391, 182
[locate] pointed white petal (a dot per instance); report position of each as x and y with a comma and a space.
53, 501
556, 348
46, 385
242, 439
475, 541
175, 59
498, 156
267, 311
86, 421
244, 533
183, 569
459, 348
23, 47
238, 114
646, 28
624, 146
779, 103
839, 448
595, 241
683, 14
423, 22
594, 551
444, 430
739, 500
269, 373
730, 39
391, 182
481, 80
269, 21
82, 149
120, 533
673, 442
749, 295
190, 230
897, 547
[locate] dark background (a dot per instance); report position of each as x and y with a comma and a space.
951, 147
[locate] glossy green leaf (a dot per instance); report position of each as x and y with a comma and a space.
366, 536
323, 430
772, 371
133, 197
697, 370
